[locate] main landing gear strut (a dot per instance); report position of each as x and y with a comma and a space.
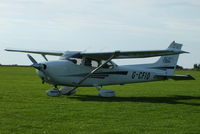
55, 92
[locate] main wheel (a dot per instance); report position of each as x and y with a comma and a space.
53, 93
107, 93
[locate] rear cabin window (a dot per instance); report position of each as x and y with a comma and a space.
91, 62
108, 65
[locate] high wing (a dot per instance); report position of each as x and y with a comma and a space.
104, 55
54, 53
132, 54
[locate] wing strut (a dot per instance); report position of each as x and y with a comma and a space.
92, 72
44, 56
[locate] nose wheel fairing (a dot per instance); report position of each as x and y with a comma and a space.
53, 93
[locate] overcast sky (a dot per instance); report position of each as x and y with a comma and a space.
99, 25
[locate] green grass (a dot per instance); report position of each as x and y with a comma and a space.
166, 107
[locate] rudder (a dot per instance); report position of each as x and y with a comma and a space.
168, 63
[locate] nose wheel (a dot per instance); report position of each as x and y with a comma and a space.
54, 92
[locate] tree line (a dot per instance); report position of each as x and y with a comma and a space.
196, 67
178, 67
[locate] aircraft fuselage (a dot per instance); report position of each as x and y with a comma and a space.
66, 73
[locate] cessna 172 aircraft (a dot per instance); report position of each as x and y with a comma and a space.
82, 69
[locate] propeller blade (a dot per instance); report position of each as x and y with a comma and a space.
35, 64
32, 59
40, 67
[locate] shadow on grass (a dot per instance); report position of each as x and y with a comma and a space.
167, 100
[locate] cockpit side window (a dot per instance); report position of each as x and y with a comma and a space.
92, 62
76, 61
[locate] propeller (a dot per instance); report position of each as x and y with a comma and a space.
40, 67
35, 63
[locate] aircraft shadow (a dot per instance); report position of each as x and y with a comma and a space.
178, 99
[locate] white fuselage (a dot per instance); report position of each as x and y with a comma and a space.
66, 73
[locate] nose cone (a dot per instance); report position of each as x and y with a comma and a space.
49, 71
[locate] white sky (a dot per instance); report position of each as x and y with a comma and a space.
99, 25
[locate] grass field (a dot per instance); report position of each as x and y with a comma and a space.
166, 107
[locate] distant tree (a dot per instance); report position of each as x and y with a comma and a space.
195, 66
179, 67
198, 67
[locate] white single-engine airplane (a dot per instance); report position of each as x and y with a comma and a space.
82, 69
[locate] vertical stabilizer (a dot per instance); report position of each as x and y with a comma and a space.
168, 63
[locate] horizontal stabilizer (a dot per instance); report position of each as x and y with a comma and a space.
175, 77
